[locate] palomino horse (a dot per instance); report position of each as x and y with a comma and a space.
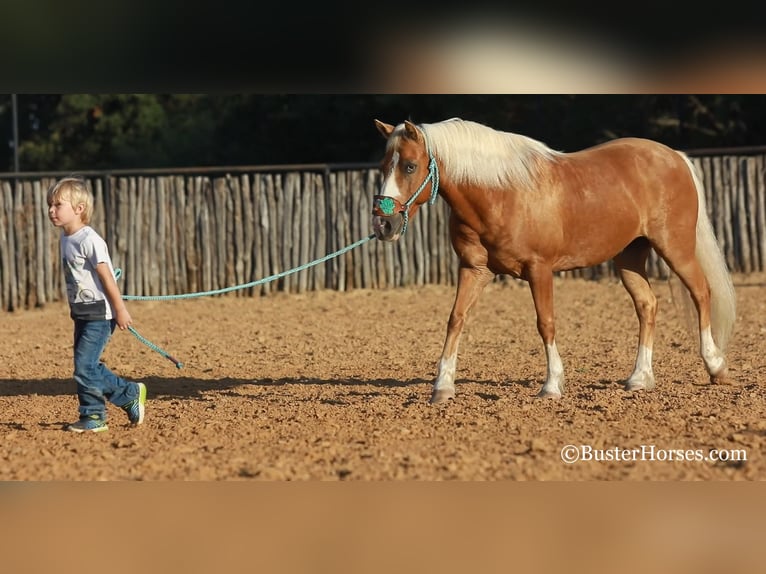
523, 209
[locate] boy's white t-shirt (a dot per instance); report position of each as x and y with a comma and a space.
80, 253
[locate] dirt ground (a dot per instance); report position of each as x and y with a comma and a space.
335, 386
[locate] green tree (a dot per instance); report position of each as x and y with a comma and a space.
75, 132
121, 131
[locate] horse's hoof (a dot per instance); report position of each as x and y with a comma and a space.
640, 384
723, 378
442, 396
635, 386
545, 394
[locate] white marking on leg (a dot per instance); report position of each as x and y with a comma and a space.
554, 380
711, 354
446, 377
642, 376
444, 386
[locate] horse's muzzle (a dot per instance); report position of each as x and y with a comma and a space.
388, 228
387, 217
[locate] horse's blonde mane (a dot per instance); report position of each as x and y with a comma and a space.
470, 151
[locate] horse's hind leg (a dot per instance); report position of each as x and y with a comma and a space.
631, 264
689, 271
470, 284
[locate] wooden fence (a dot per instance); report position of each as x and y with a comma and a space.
202, 230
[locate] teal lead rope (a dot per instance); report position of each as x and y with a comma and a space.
178, 364
154, 347
147, 342
252, 283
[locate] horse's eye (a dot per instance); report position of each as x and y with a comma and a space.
409, 167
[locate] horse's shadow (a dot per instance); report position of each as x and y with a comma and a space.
189, 387
192, 388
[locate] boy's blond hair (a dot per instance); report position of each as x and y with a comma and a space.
74, 190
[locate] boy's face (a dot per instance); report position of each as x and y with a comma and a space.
63, 214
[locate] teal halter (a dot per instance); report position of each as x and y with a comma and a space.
387, 206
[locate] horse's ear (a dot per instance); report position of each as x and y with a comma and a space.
385, 129
411, 130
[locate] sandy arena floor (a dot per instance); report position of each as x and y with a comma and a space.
335, 386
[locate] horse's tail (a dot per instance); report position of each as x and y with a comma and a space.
711, 259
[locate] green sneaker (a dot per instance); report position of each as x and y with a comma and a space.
91, 423
137, 406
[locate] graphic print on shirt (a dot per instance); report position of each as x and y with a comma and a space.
75, 290
83, 302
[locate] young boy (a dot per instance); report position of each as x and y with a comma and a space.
96, 306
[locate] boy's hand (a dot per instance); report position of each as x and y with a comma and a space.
124, 320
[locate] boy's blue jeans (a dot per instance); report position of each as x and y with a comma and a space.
95, 382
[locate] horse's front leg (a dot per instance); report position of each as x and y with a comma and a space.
541, 284
470, 283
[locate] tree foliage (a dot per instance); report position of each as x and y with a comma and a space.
70, 132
